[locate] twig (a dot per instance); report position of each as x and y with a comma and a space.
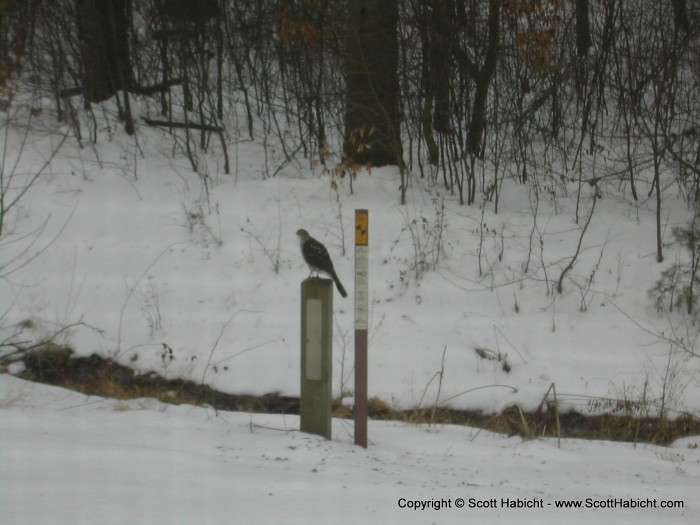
133, 288
249, 349
216, 343
580, 241
678, 341
526, 428
475, 389
441, 373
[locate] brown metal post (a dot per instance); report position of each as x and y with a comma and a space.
361, 322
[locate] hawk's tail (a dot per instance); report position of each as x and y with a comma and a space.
339, 285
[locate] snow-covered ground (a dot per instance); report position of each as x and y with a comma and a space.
131, 250
70, 459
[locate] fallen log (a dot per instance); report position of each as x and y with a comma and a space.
182, 125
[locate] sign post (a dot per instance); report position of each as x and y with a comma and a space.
361, 323
316, 362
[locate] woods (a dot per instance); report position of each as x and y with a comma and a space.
552, 93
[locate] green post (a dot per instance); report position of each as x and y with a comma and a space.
316, 356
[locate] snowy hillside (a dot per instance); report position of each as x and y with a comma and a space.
147, 264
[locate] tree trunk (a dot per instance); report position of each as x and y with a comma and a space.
372, 131
103, 31
680, 16
477, 122
583, 28
441, 36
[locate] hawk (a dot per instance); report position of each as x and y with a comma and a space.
316, 256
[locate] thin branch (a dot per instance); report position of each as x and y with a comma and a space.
580, 241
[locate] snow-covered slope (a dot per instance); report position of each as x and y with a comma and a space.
148, 257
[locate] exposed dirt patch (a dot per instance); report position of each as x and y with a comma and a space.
96, 375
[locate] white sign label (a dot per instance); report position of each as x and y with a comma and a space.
314, 311
361, 287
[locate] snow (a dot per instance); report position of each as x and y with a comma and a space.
71, 459
133, 251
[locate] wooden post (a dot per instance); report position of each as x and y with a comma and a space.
316, 356
361, 323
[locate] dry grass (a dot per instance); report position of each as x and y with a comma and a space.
95, 375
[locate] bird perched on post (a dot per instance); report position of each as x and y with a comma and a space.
316, 256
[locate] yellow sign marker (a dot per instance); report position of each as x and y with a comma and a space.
361, 227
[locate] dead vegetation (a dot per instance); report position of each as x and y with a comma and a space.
95, 375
